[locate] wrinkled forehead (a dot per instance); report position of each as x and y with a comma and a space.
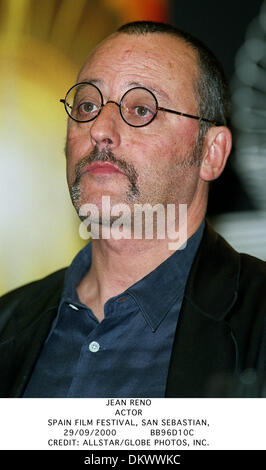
160, 57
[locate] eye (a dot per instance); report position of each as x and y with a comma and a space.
142, 111
87, 108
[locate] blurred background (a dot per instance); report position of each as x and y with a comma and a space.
42, 45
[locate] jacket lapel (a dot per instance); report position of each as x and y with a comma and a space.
205, 349
27, 331
28, 346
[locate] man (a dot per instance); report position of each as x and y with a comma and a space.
131, 317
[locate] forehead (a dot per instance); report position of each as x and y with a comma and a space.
154, 58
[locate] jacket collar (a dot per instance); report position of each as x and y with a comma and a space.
204, 345
217, 266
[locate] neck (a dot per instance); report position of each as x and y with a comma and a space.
118, 264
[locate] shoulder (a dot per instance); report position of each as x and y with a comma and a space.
22, 306
220, 275
252, 283
246, 275
28, 293
251, 270
252, 265
216, 246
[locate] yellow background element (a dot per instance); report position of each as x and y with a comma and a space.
42, 45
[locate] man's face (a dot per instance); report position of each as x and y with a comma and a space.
156, 162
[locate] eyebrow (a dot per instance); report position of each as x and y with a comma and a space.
94, 81
156, 91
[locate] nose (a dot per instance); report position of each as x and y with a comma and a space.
105, 128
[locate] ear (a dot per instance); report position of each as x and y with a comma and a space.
216, 149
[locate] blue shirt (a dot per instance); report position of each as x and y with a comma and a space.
127, 354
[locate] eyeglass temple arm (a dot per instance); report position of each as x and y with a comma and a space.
189, 115
65, 103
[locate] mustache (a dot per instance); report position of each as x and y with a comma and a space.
105, 155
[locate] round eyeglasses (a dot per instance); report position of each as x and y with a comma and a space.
138, 106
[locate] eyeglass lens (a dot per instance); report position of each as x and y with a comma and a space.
83, 102
138, 106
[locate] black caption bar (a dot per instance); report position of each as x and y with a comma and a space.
122, 459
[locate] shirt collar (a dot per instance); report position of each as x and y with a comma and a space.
160, 289
155, 293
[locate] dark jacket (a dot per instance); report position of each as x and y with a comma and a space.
218, 349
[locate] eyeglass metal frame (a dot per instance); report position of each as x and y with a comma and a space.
158, 108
